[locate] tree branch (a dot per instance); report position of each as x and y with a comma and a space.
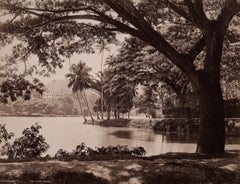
231, 8
38, 14
12, 19
126, 10
59, 11
177, 88
8, 23
142, 29
15, 8
197, 14
195, 51
180, 11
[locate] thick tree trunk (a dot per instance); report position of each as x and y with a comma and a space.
109, 111
212, 126
209, 95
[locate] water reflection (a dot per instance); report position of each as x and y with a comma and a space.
179, 138
68, 132
126, 134
141, 135
145, 135
175, 138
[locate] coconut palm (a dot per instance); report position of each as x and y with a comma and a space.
79, 80
96, 86
102, 47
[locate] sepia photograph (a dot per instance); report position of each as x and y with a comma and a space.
119, 91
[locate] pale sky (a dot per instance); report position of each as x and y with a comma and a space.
92, 60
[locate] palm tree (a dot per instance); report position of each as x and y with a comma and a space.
79, 80
102, 47
96, 87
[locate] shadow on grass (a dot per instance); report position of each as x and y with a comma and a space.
60, 177
165, 169
73, 177
187, 172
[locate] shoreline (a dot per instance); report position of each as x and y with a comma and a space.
179, 126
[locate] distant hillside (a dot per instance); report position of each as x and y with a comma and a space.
58, 86
49, 104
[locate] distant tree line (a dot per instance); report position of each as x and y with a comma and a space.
40, 107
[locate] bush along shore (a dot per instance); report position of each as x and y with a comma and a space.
181, 126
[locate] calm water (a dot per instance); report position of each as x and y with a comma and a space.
67, 132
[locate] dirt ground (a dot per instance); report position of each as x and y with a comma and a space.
168, 168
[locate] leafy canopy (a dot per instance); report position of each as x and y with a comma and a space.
55, 29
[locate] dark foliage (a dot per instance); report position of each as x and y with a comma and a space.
181, 112
30, 145
4, 134
18, 86
232, 110
84, 152
180, 126
183, 126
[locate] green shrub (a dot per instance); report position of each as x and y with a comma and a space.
5, 136
30, 145
82, 151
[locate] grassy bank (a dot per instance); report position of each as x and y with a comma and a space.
169, 125
137, 123
167, 168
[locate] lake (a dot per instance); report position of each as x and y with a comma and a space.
68, 132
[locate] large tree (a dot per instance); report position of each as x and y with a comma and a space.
44, 28
147, 101
142, 64
119, 90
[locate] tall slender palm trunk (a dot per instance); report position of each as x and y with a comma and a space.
97, 113
101, 102
80, 106
86, 102
102, 84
